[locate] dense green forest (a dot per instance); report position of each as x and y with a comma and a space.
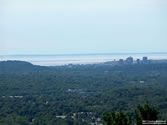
77, 94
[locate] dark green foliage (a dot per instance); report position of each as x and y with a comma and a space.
147, 112
87, 90
117, 118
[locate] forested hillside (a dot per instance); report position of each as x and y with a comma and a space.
18, 66
77, 94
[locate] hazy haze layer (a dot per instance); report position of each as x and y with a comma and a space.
77, 26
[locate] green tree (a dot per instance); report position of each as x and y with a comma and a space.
117, 118
146, 112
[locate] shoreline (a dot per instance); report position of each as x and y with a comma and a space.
54, 60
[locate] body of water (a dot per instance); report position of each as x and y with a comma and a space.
55, 60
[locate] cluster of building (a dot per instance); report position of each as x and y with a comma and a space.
130, 60
12, 96
84, 117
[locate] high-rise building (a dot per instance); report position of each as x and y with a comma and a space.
138, 61
121, 61
145, 59
129, 60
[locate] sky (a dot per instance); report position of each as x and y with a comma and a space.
82, 26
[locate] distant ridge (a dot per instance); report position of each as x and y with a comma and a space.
18, 66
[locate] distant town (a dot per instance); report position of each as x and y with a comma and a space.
130, 61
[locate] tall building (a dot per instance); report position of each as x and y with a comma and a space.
138, 61
121, 61
129, 60
145, 59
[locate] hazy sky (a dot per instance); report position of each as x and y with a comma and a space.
82, 26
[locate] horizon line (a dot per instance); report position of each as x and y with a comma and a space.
71, 54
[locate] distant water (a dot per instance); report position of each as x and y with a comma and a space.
55, 60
